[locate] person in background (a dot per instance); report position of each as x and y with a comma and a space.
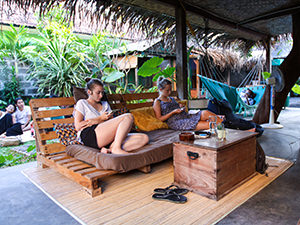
168, 110
248, 96
22, 114
6, 118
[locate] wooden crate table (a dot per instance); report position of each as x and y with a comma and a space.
213, 168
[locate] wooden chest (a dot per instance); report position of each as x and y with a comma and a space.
214, 168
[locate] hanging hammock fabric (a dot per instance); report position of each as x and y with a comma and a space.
231, 94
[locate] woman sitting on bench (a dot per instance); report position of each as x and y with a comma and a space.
167, 109
96, 127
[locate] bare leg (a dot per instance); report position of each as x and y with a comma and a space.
203, 124
116, 130
135, 141
205, 114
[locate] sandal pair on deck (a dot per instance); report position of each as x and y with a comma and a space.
172, 193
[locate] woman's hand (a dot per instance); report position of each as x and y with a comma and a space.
106, 116
177, 111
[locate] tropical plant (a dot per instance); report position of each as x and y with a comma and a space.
151, 67
59, 62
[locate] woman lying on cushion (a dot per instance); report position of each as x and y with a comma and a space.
96, 127
168, 110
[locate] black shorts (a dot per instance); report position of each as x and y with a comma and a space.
88, 136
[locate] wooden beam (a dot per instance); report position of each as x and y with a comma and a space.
181, 53
272, 14
216, 18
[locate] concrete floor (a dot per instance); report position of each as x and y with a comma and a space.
279, 203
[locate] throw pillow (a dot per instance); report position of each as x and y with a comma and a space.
79, 93
66, 133
118, 112
145, 120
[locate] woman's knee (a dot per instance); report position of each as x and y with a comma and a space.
127, 116
144, 138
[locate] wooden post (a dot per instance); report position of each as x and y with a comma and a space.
268, 56
181, 53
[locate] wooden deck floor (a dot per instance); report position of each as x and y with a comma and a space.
127, 197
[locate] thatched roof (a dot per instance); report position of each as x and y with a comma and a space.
222, 21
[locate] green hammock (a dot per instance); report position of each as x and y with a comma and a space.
231, 94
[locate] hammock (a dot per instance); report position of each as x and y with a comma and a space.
231, 94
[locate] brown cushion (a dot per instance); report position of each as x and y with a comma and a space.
160, 147
79, 93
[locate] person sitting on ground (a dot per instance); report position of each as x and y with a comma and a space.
22, 114
248, 96
6, 118
167, 109
96, 127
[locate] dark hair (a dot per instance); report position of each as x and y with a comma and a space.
17, 99
13, 106
92, 82
163, 82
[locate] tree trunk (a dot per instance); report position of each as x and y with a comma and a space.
291, 71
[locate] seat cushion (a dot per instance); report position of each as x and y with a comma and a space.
159, 148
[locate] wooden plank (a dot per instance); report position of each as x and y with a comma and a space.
52, 148
69, 160
49, 123
80, 167
139, 105
82, 180
100, 174
55, 155
87, 171
48, 102
53, 113
137, 96
48, 136
127, 197
73, 163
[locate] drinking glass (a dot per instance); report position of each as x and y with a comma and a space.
212, 124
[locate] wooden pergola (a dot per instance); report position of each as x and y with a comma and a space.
243, 23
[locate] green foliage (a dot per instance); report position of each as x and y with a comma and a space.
11, 88
296, 89
59, 61
11, 158
111, 75
266, 75
150, 67
168, 72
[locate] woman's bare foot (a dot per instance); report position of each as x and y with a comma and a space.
105, 150
118, 151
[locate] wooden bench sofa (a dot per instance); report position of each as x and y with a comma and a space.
51, 153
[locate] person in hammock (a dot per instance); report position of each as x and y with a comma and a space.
168, 110
248, 96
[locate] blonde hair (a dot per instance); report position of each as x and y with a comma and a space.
162, 82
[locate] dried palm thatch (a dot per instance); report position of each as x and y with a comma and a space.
154, 18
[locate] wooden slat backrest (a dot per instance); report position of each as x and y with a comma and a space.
44, 116
45, 112
138, 100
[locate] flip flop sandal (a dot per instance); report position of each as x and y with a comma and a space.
169, 190
170, 197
